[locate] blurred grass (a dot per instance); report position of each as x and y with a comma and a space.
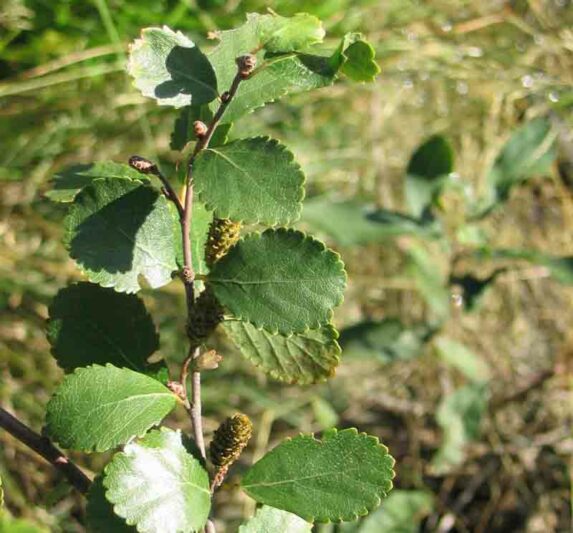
471, 70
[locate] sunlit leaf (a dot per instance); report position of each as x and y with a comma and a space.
340, 477
270, 520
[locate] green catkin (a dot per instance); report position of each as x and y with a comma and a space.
230, 439
223, 234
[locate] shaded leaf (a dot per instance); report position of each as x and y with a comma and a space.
118, 230
100, 517
301, 358
280, 280
89, 324
98, 408
401, 512
351, 223
462, 358
342, 476
473, 288
529, 152
459, 416
168, 67
428, 167
68, 182
270, 520
388, 340
157, 485
250, 180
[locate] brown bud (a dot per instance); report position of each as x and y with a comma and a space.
230, 439
246, 64
199, 129
208, 361
225, 97
142, 165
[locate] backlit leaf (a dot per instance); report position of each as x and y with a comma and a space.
301, 358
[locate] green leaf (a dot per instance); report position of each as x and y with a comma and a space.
430, 279
351, 223
401, 512
388, 340
68, 182
157, 485
271, 520
184, 133
429, 166
530, 152
355, 58
18, 525
89, 324
341, 477
100, 517
119, 229
288, 34
280, 280
168, 67
459, 416
98, 408
463, 359
250, 180
301, 358
276, 75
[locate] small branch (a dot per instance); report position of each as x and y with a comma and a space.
42, 446
147, 167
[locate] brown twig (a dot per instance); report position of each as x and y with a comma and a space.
43, 447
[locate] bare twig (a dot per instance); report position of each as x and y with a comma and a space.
43, 447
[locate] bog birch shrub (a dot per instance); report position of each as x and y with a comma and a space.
271, 291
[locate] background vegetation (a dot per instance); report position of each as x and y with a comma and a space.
469, 70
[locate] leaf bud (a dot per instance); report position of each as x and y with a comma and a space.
230, 439
208, 360
145, 166
199, 129
246, 65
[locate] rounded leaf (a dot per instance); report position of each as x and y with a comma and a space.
156, 485
89, 324
97, 408
100, 517
168, 67
118, 230
280, 280
302, 358
270, 520
339, 478
250, 180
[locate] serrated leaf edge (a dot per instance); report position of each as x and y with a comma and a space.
68, 236
325, 250
274, 374
96, 448
328, 435
300, 189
